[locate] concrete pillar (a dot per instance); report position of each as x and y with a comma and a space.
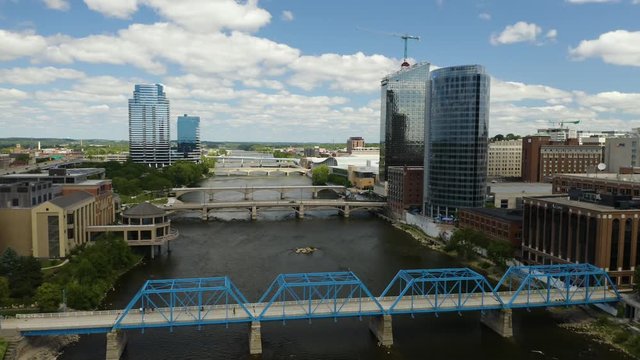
301, 211
116, 343
499, 321
382, 328
255, 338
315, 194
254, 213
205, 214
153, 253
281, 194
346, 211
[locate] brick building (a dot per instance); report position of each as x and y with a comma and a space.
405, 186
498, 224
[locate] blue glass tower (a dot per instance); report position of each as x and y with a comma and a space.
402, 118
456, 140
188, 138
149, 141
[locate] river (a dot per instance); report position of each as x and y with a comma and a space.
253, 253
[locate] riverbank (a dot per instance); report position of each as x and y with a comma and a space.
617, 333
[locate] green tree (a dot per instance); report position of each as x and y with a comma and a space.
499, 252
48, 297
8, 262
4, 291
498, 137
26, 278
636, 284
320, 175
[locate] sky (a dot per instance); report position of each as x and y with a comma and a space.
309, 71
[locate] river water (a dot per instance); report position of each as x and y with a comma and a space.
254, 253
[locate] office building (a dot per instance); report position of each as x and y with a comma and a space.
531, 146
405, 186
600, 183
583, 228
568, 159
188, 138
497, 224
354, 142
456, 145
149, 141
505, 159
402, 117
621, 152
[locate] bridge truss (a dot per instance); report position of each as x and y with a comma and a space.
440, 290
185, 302
549, 285
318, 295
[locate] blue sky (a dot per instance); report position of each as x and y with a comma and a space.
284, 70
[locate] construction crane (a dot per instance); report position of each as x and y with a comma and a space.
561, 123
404, 37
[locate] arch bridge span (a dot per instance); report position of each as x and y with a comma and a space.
248, 191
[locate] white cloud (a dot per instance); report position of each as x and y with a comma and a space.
552, 34
62, 5
620, 47
484, 16
113, 8
287, 15
12, 95
510, 91
34, 75
611, 101
18, 44
356, 73
518, 32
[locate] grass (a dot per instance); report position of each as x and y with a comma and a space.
3, 347
618, 335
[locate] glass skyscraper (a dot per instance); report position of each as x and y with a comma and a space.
188, 138
149, 141
402, 118
455, 156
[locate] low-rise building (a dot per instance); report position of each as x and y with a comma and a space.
354, 142
59, 225
602, 183
508, 195
405, 188
505, 159
586, 227
498, 224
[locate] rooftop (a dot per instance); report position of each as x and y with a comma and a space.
503, 214
144, 209
564, 200
71, 199
605, 176
520, 187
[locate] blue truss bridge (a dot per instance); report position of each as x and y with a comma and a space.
209, 301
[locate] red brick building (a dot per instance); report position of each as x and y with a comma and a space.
498, 224
405, 188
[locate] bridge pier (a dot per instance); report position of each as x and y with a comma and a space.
315, 194
300, 212
255, 338
499, 321
254, 213
382, 328
116, 343
346, 211
205, 214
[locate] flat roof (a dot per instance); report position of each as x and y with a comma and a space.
605, 176
503, 214
520, 187
564, 200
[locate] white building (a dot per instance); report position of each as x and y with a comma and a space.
505, 159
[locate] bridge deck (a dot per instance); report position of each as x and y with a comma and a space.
104, 321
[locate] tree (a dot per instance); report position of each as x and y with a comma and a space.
8, 262
636, 284
320, 175
499, 252
4, 291
26, 278
498, 137
49, 297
